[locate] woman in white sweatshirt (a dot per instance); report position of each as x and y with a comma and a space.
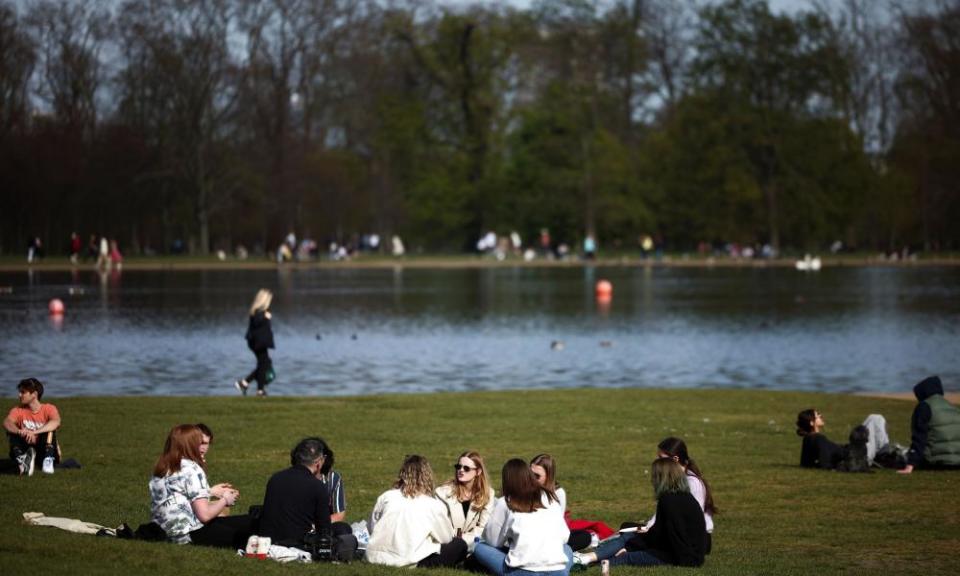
468, 496
409, 524
527, 537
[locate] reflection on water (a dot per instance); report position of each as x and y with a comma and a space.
399, 330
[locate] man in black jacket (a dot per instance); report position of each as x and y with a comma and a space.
296, 502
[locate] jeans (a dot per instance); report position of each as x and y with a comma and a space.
494, 561
636, 558
877, 425
609, 548
46, 446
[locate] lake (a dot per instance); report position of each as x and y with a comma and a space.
372, 331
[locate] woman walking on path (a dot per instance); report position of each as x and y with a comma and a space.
259, 340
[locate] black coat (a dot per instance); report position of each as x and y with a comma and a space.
679, 536
259, 332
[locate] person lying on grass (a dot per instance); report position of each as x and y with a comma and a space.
180, 496
817, 451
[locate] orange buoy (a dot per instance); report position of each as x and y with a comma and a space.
604, 289
56, 307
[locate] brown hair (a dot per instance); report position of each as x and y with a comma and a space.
805, 420
415, 477
31, 385
549, 466
520, 487
183, 442
478, 490
677, 449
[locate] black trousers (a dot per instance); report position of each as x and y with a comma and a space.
224, 532
451, 554
46, 446
264, 364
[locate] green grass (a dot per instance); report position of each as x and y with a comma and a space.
775, 517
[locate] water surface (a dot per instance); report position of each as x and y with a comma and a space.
350, 331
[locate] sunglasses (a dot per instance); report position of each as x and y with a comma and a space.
459, 467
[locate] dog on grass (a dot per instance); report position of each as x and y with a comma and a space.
855, 453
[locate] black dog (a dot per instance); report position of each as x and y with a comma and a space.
855, 453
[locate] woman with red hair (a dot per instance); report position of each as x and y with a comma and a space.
180, 496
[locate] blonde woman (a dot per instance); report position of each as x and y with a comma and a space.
259, 340
679, 537
409, 524
468, 496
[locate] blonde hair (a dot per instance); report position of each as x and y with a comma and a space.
415, 477
261, 302
668, 477
478, 490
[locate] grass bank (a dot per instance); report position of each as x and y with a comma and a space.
775, 517
11, 263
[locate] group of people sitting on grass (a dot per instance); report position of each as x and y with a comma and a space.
460, 523
934, 438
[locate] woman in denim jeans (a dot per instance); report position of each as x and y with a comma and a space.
532, 539
677, 538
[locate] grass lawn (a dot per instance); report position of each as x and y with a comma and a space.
775, 518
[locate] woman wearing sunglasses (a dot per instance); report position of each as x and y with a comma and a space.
468, 496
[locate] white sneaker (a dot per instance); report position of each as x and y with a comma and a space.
580, 559
242, 386
29, 459
48, 465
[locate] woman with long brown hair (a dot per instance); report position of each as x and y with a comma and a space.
180, 496
468, 496
409, 524
532, 538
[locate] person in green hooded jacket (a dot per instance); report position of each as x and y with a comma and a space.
934, 429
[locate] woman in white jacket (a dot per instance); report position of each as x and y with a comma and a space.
526, 537
468, 496
409, 525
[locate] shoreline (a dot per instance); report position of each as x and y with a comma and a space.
465, 262
952, 397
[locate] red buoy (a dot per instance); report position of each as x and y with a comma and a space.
56, 307
604, 289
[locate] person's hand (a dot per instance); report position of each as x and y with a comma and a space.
642, 529
621, 552
219, 489
230, 496
908, 469
30, 437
